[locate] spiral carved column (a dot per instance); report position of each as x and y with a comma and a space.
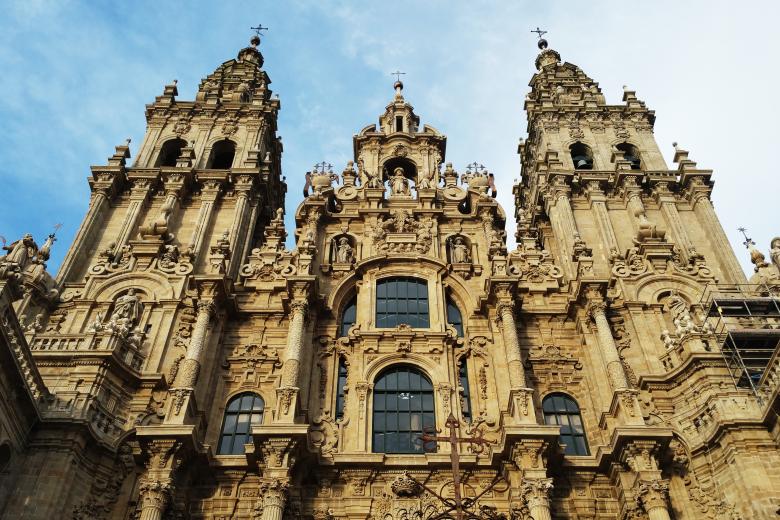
294, 348
187, 375
617, 376
512, 344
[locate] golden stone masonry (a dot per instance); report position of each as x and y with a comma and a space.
184, 364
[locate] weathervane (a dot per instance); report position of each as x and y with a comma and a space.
539, 32
542, 43
397, 75
748, 241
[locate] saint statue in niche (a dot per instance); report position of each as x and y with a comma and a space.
460, 251
344, 251
399, 185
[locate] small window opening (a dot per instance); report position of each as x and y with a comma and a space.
170, 152
581, 156
630, 154
465, 396
222, 155
399, 124
341, 383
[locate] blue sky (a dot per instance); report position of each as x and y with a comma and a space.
76, 77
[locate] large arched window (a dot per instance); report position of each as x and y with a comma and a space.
403, 410
242, 412
222, 154
348, 316
561, 410
402, 300
170, 152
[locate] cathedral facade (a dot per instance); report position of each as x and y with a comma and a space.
400, 362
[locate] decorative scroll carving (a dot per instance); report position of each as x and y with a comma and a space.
402, 233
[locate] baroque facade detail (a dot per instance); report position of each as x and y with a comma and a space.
189, 361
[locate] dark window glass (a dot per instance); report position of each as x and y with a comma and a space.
581, 156
348, 316
340, 384
454, 317
465, 397
399, 124
241, 413
403, 410
561, 410
402, 300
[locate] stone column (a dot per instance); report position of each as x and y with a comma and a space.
292, 361
154, 496
209, 194
536, 493
615, 372
506, 313
187, 376
562, 218
138, 196
653, 497
243, 186
274, 500
704, 211
97, 205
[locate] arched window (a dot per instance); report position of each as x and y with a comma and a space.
402, 300
581, 156
242, 412
170, 152
454, 317
631, 154
561, 410
348, 316
222, 154
403, 410
341, 382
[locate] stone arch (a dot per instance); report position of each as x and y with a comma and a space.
389, 164
153, 286
167, 150
208, 147
431, 369
652, 288
222, 154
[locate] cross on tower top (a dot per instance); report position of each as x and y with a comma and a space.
539, 32
748, 241
397, 75
258, 29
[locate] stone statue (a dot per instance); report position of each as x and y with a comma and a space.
424, 181
344, 251
399, 184
681, 315
21, 252
774, 252
460, 251
127, 309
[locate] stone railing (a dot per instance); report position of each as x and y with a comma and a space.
104, 342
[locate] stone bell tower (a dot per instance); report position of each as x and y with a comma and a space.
126, 346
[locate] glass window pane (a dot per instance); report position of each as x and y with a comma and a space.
230, 424
233, 405
242, 426
246, 402
379, 442
379, 421
427, 402
391, 402
381, 289
580, 447
404, 422
392, 289
258, 403
225, 445
257, 418
238, 444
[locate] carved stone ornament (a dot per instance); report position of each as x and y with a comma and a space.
402, 233
405, 486
633, 264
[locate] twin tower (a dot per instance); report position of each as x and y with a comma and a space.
399, 362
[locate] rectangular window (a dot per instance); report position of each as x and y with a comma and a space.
402, 301
399, 124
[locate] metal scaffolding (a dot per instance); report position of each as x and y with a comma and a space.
746, 320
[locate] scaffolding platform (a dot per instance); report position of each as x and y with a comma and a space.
746, 321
